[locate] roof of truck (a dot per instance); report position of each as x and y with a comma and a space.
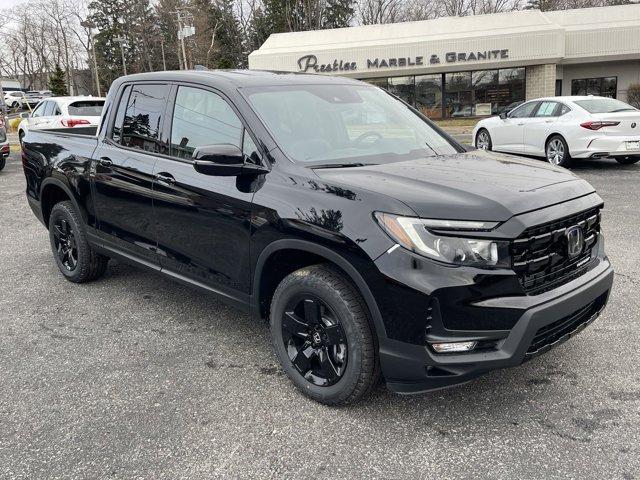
241, 78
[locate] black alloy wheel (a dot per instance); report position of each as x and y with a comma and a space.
323, 335
64, 241
76, 259
314, 339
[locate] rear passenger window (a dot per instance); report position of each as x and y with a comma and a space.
547, 109
116, 134
143, 117
202, 118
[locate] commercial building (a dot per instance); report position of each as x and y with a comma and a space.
476, 65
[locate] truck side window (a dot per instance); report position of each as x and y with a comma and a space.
116, 133
143, 117
201, 118
249, 149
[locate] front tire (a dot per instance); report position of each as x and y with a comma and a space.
322, 335
483, 140
627, 160
557, 152
75, 258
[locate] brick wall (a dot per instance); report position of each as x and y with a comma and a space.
541, 81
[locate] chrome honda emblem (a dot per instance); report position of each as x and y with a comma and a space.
575, 241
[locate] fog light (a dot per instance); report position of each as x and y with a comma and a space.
452, 347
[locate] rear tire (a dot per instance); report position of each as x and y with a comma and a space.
627, 160
75, 258
322, 335
557, 152
483, 140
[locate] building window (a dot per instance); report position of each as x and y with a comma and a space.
602, 86
429, 95
511, 83
403, 87
378, 82
466, 94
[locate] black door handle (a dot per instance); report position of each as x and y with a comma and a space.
105, 161
165, 178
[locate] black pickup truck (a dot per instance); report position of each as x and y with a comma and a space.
374, 243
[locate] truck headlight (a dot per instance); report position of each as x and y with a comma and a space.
436, 239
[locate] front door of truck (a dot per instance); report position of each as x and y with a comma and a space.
203, 221
124, 168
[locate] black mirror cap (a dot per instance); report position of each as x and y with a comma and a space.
223, 160
503, 115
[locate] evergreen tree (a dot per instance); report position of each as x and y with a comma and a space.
338, 13
57, 82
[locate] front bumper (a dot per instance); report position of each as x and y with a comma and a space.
414, 368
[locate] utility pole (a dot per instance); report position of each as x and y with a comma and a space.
184, 30
90, 26
121, 41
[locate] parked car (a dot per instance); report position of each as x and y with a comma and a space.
63, 112
565, 128
371, 246
13, 98
4, 143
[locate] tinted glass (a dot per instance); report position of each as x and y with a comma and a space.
547, 109
604, 105
601, 86
89, 108
143, 118
324, 124
403, 87
202, 118
116, 134
249, 149
459, 97
523, 110
511, 90
429, 95
562, 109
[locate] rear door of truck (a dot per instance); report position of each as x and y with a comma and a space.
123, 178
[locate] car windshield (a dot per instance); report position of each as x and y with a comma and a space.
90, 108
604, 105
344, 124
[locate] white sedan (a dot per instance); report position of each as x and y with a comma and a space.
564, 128
63, 112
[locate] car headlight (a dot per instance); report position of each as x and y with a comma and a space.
435, 239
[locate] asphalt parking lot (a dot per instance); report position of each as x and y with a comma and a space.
137, 377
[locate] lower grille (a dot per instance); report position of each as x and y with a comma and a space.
562, 329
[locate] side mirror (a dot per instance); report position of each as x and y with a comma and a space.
25, 115
223, 160
503, 115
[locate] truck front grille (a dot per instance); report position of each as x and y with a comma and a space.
541, 257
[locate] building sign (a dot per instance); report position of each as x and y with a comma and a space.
310, 62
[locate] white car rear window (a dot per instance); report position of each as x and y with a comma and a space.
604, 105
89, 108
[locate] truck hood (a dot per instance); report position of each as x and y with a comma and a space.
476, 185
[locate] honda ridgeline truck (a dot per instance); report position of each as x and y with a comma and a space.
374, 243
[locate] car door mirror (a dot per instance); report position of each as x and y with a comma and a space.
220, 159
504, 115
223, 160
25, 115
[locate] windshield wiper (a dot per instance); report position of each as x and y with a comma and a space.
342, 165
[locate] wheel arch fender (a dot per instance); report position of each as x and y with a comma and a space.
330, 256
55, 183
